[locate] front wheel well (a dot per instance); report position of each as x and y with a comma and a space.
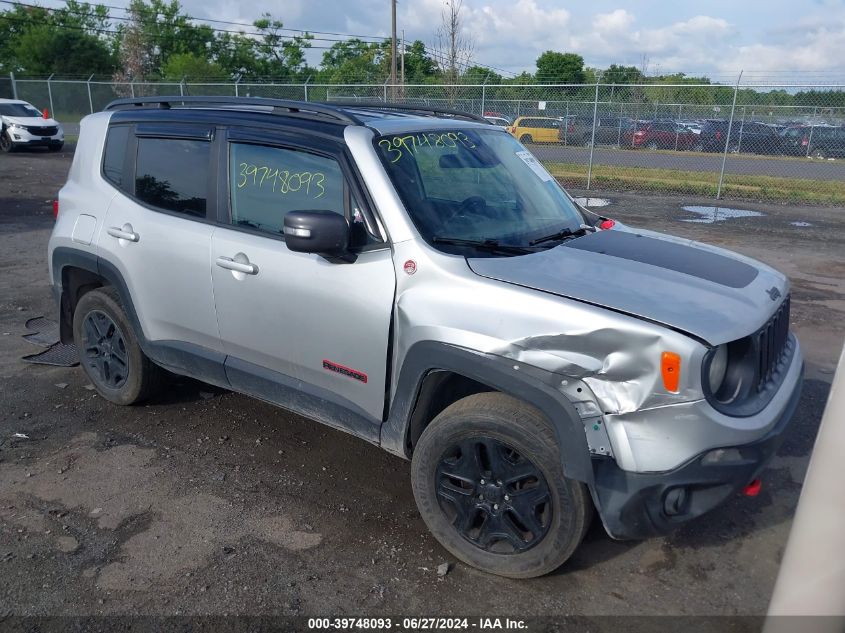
439, 389
76, 282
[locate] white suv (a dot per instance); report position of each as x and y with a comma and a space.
418, 279
22, 125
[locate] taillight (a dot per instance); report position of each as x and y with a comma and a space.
55, 208
571, 129
718, 135
805, 141
639, 134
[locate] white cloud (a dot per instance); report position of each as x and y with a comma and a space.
511, 34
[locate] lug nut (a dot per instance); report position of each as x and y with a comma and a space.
481, 482
507, 498
495, 506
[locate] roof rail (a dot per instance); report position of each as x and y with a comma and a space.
409, 107
304, 109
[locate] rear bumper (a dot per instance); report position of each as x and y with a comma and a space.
641, 505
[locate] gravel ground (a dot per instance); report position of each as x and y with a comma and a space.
208, 502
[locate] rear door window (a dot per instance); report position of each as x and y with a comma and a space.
171, 174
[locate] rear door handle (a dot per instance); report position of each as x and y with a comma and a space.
124, 233
238, 266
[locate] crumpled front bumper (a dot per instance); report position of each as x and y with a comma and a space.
636, 505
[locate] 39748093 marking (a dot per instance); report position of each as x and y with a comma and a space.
343, 624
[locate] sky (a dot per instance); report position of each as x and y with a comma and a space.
767, 39
792, 39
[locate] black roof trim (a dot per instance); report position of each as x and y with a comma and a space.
409, 108
303, 109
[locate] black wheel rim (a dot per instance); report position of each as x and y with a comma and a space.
496, 498
105, 350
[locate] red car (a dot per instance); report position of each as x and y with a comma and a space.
661, 135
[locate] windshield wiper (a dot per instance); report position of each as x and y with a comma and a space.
559, 235
484, 245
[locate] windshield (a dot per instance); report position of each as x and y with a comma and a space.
475, 184
18, 109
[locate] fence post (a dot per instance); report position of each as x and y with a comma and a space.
237, 81
728, 139
484, 93
90, 100
678, 126
306, 86
385, 89
619, 131
566, 125
741, 128
14, 85
132, 88
50, 94
182, 87
593, 140
812, 128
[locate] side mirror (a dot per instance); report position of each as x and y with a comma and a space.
322, 232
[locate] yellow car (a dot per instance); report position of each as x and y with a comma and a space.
535, 129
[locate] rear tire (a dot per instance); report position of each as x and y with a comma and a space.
526, 139
527, 518
108, 349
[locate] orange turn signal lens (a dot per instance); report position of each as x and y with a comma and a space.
670, 367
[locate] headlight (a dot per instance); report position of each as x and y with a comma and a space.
17, 126
718, 368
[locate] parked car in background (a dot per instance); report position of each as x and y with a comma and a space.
746, 136
498, 115
819, 141
660, 135
498, 120
22, 125
609, 130
536, 129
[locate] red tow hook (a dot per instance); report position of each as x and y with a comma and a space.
753, 489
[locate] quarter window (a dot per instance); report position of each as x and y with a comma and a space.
172, 174
114, 154
268, 182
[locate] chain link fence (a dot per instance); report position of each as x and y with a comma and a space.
783, 143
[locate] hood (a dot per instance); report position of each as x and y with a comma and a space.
710, 293
36, 121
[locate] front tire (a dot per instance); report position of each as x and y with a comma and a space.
489, 484
6, 145
56, 148
108, 349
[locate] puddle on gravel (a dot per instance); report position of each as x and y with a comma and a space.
800, 224
711, 215
592, 202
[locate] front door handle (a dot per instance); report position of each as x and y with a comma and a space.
239, 264
126, 232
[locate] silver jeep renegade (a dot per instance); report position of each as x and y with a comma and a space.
416, 278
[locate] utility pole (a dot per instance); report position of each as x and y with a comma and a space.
402, 72
393, 50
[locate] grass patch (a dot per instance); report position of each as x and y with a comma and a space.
701, 183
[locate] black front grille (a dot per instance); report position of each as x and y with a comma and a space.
42, 131
771, 342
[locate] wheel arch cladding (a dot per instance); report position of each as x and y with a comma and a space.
522, 382
87, 270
